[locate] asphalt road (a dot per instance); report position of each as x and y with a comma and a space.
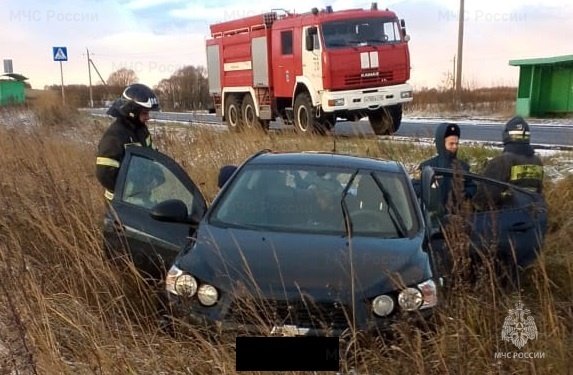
543, 135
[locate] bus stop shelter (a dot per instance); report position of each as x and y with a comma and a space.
545, 86
12, 89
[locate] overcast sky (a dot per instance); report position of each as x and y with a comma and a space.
157, 37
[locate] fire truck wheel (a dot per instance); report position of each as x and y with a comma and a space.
328, 121
386, 121
305, 121
250, 119
396, 113
233, 114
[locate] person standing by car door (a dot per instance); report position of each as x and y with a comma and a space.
517, 164
447, 138
131, 112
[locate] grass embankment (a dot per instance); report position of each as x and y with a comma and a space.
64, 310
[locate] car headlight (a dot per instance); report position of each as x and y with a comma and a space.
429, 294
180, 283
383, 305
207, 295
410, 299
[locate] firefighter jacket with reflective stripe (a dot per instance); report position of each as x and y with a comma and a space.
111, 150
522, 170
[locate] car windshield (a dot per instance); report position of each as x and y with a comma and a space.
315, 199
360, 32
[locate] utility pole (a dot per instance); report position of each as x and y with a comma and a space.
90, 79
460, 50
454, 82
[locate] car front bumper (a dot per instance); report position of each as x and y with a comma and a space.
217, 321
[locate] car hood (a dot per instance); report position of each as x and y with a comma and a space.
282, 265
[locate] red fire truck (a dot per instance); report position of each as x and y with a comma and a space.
310, 69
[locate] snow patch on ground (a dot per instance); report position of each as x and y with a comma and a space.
15, 118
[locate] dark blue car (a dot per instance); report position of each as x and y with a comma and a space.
295, 243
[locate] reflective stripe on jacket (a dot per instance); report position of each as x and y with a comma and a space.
111, 149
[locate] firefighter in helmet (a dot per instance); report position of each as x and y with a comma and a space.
131, 112
517, 165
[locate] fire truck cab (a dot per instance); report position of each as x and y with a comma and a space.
310, 69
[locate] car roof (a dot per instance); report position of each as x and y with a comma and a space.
326, 159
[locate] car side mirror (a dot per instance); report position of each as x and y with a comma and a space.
171, 210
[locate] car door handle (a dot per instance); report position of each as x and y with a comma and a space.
521, 227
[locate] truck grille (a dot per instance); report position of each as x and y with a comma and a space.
303, 314
366, 78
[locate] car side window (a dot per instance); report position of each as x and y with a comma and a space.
148, 183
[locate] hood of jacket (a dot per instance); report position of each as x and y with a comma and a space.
445, 157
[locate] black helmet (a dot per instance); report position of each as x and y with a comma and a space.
516, 131
135, 98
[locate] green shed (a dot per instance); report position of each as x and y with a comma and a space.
545, 86
12, 89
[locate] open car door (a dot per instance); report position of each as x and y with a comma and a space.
501, 222
147, 177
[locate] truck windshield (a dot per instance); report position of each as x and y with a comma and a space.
360, 32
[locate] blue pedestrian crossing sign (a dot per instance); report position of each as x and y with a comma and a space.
60, 53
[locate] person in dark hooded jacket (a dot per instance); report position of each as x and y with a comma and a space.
131, 112
447, 138
517, 165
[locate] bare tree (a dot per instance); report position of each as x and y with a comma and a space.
186, 89
122, 77
167, 92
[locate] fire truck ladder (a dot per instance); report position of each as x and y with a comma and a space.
263, 95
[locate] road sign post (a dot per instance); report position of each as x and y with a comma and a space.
61, 54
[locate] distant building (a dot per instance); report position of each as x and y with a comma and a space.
545, 86
12, 89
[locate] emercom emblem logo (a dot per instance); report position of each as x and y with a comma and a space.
519, 326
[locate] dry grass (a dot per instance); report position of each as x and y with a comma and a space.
491, 101
63, 309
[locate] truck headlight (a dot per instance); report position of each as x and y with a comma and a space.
207, 295
336, 102
406, 94
180, 283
